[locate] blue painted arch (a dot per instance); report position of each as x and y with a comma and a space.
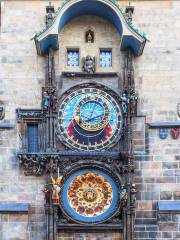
92, 7
107, 9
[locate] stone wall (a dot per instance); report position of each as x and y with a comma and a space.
157, 161
21, 78
90, 235
157, 74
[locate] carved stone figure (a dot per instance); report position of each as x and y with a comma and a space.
125, 103
89, 36
47, 194
2, 110
46, 101
133, 102
88, 64
49, 14
178, 109
133, 195
56, 189
123, 193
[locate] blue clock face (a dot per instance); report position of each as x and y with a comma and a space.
89, 119
92, 112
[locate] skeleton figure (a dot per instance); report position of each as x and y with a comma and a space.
125, 103
88, 64
56, 189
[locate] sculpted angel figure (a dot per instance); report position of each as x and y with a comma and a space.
88, 64
56, 189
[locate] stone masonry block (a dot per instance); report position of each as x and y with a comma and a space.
176, 195
170, 165
168, 227
166, 195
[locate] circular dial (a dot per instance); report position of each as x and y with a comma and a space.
92, 113
89, 119
89, 195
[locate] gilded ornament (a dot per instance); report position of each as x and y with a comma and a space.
90, 194
56, 183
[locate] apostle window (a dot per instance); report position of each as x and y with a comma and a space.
105, 58
72, 57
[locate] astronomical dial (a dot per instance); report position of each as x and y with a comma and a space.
89, 119
92, 113
89, 195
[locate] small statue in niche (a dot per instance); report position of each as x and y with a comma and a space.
133, 102
89, 36
49, 14
47, 194
125, 103
88, 64
46, 100
123, 194
2, 110
56, 189
178, 109
133, 195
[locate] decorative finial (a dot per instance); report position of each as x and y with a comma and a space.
49, 13
129, 11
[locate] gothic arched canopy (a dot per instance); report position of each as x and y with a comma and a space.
110, 10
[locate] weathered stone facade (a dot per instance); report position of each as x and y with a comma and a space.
22, 74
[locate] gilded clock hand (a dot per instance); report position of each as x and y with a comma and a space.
93, 109
84, 116
94, 117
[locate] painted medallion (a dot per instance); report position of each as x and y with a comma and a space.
89, 119
90, 195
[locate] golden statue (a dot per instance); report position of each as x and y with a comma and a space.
56, 189
89, 38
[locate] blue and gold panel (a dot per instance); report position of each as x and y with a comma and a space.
90, 195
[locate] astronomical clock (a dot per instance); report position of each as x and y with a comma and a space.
89, 119
81, 138
89, 124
